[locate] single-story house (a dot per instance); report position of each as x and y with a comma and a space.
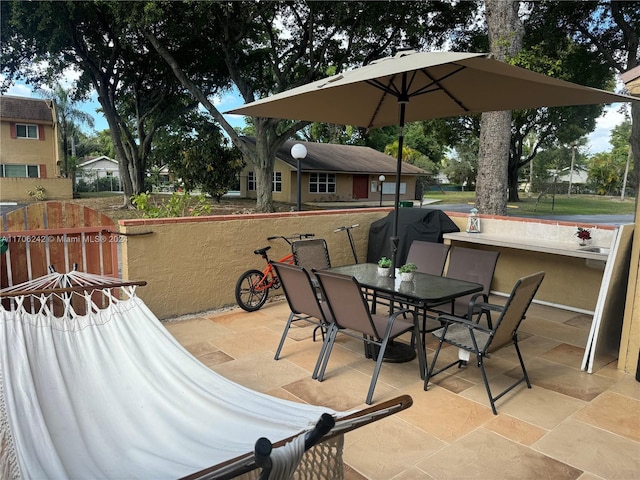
92, 169
334, 173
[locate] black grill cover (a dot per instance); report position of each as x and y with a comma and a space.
427, 225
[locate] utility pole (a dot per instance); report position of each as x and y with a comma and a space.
573, 162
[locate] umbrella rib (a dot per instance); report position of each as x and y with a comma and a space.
392, 89
436, 82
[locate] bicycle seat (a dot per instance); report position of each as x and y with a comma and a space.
262, 251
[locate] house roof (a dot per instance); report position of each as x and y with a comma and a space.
328, 157
26, 109
98, 159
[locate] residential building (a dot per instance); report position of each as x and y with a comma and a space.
93, 170
29, 150
334, 173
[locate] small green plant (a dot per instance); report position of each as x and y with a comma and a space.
38, 193
178, 205
408, 268
384, 262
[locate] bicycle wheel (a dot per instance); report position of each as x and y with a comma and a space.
248, 296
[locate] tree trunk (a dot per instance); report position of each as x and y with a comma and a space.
505, 38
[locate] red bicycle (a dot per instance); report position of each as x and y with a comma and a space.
252, 288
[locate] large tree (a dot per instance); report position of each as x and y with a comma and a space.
505, 39
269, 47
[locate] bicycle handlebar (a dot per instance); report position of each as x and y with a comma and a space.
295, 236
340, 229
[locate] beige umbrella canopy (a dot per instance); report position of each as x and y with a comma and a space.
420, 86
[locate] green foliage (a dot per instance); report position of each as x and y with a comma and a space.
38, 193
408, 268
384, 262
178, 205
605, 174
198, 154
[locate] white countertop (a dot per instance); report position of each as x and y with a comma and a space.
533, 244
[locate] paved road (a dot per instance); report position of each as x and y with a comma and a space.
597, 219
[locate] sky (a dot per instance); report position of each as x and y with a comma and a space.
598, 140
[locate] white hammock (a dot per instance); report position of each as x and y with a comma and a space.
111, 394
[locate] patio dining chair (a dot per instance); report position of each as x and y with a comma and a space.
429, 257
352, 316
311, 254
468, 264
481, 341
304, 302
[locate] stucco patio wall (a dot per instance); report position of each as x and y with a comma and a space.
192, 264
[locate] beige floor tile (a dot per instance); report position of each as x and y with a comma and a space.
240, 321
397, 446
594, 450
581, 321
566, 380
260, 372
250, 342
443, 414
555, 330
486, 455
345, 389
529, 405
215, 358
413, 473
515, 429
568, 355
398, 375
615, 413
627, 385
196, 330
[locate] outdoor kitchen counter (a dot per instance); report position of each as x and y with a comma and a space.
567, 249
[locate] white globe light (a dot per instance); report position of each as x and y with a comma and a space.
298, 151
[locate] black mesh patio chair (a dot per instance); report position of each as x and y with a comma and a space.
429, 257
352, 316
311, 254
464, 264
480, 341
304, 302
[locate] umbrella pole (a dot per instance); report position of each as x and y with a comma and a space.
394, 238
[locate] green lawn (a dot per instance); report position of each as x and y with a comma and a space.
563, 204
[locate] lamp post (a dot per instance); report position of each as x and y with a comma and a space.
382, 178
299, 151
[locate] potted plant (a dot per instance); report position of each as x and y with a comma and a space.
407, 272
384, 264
583, 235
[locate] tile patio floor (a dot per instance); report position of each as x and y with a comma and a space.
570, 425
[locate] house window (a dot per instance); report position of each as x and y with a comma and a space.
26, 131
277, 182
322, 183
22, 171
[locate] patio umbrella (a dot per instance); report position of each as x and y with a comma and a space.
414, 86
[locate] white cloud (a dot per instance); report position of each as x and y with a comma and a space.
599, 138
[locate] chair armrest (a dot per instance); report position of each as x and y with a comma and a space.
463, 321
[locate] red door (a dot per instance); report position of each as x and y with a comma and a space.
360, 186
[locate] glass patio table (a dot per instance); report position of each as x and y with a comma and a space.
424, 291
